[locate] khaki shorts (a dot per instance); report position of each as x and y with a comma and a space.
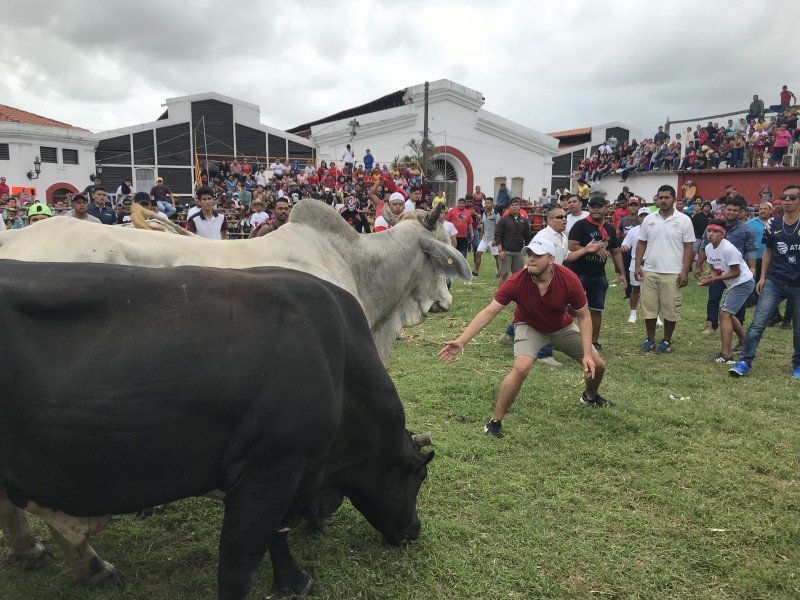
512, 263
528, 341
660, 295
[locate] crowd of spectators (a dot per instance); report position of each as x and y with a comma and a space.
751, 141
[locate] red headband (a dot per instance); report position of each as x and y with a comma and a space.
719, 228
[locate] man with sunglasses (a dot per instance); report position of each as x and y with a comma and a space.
554, 233
780, 278
124, 215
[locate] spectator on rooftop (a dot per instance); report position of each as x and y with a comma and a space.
786, 97
661, 136
756, 110
369, 160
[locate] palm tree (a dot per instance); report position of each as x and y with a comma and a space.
419, 150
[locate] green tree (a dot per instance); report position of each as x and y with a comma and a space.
418, 150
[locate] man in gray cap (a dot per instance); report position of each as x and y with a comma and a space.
543, 291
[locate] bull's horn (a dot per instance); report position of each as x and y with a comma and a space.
433, 216
421, 440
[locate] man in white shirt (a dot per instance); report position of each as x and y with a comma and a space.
208, 223
575, 212
668, 238
487, 225
277, 168
414, 194
727, 266
629, 243
261, 177
124, 191
349, 158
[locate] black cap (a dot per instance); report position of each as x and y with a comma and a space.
597, 200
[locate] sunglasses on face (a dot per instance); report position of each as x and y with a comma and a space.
789, 196
559, 217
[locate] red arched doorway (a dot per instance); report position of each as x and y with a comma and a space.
59, 191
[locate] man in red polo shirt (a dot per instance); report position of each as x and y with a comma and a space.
543, 291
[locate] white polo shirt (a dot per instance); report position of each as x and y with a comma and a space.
665, 239
212, 228
559, 240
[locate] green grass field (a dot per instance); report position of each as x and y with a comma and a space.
682, 499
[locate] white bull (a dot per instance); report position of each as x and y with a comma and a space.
398, 275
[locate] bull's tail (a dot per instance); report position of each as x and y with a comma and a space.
141, 218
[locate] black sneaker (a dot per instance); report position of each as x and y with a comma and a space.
597, 346
721, 359
737, 347
494, 428
596, 402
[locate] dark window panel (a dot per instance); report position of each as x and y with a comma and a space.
178, 180
116, 151
174, 145
144, 152
212, 122
48, 154
250, 142
276, 147
69, 156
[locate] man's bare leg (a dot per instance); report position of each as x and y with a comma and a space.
511, 385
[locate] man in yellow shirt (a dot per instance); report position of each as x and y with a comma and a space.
439, 199
689, 190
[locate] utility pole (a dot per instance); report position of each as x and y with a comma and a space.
425, 141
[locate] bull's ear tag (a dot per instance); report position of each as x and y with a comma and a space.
449, 261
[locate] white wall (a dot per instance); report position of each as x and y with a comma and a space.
24, 143
645, 185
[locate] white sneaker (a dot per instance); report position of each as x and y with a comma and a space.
659, 322
549, 361
632, 318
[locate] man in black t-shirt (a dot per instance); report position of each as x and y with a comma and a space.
591, 268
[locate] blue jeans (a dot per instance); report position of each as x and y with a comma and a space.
772, 294
166, 208
715, 291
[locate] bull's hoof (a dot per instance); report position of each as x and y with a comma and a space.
304, 587
38, 557
105, 575
149, 512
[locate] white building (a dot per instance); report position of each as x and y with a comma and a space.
473, 146
66, 154
191, 129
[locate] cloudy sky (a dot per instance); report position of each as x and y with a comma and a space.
550, 66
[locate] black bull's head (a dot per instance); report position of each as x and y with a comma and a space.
387, 500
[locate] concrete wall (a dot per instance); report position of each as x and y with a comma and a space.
711, 183
645, 185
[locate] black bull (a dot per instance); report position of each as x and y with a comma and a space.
281, 400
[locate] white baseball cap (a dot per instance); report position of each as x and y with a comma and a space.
397, 197
643, 211
540, 247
